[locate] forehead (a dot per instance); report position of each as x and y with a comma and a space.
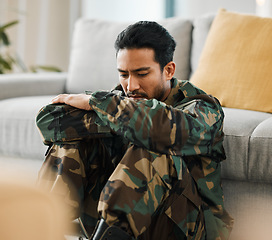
135, 58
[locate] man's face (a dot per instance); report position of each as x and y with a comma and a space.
140, 76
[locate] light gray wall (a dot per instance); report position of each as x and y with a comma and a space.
264, 8
124, 10
194, 8
134, 10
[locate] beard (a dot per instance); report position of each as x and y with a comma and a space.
158, 94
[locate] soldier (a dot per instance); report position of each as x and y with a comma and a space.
141, 161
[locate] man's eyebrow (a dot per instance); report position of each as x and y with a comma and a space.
135, 70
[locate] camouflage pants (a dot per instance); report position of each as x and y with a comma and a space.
143, 186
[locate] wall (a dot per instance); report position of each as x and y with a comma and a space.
264, 8
194, 8
124, 10
42, 36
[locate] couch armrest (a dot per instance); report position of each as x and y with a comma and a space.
31, 84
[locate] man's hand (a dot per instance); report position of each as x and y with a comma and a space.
76, 100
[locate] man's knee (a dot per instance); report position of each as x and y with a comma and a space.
61, 122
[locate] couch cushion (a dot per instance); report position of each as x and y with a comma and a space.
19, 134
235, 65
92, 61
260, 152
239, 125
31, 84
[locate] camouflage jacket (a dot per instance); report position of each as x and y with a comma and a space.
188, 125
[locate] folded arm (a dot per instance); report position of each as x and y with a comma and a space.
190, 129
194, 127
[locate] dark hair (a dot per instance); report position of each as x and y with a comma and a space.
145, 34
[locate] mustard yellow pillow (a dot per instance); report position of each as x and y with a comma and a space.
236, 63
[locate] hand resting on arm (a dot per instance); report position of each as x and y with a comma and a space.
80, 101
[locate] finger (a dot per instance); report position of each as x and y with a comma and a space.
59, 99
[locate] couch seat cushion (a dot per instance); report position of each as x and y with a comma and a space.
239, 125
19, 134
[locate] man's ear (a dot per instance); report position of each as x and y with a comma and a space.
169, 70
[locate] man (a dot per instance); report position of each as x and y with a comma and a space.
144, 158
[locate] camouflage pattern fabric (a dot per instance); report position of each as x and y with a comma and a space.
151, 161
76, 172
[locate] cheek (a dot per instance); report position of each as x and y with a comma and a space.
155, 83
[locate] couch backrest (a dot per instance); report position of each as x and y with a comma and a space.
201, 27
92, 59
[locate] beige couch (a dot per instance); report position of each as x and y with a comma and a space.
247, 172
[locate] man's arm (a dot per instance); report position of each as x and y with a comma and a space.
194, 129
185, 130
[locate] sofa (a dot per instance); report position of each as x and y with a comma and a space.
247, 170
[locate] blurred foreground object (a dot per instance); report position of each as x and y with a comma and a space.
28, 213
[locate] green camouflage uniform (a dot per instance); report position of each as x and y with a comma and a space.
156, 164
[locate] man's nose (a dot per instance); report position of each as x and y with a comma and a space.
132, 84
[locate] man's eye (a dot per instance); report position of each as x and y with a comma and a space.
123, 75
142, 74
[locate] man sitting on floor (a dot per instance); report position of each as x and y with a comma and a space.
143, 160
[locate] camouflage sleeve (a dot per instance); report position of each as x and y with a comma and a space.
189, 129
61, 122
